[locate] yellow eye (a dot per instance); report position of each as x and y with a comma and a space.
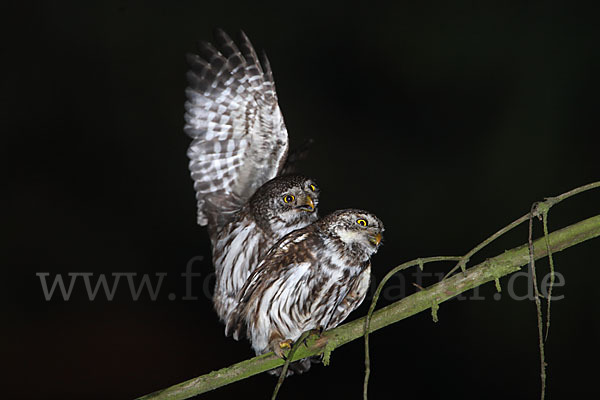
362, 222
289, 198
313, 187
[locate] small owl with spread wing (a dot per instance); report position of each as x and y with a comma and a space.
239, 149
312, 279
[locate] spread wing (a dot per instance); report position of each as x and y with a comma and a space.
240, 140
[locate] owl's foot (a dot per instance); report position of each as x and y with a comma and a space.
279, 348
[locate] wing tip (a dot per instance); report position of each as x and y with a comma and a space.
220, 34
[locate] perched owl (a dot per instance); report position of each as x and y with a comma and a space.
240, 140
278, 207
240, 144
312, 279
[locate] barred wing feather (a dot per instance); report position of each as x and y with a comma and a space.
239, 136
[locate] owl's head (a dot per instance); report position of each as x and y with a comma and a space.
360, 231
285, 203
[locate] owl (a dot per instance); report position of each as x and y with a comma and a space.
238, 152
278, 207
311, 279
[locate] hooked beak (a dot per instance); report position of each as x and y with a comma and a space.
376, 239
309, 204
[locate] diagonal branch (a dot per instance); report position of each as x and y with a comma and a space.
490, 270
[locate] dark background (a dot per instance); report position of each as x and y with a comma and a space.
445, 121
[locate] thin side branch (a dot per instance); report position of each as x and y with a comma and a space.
541, 208
490, 270
421, 263
538, 302
552, 275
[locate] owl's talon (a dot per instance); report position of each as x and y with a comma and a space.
286, 344
281, 346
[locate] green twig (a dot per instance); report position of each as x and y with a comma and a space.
538, 305
286, 365
549, 299
418, 262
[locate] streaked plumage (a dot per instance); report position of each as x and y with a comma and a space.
279, 207
313, 278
